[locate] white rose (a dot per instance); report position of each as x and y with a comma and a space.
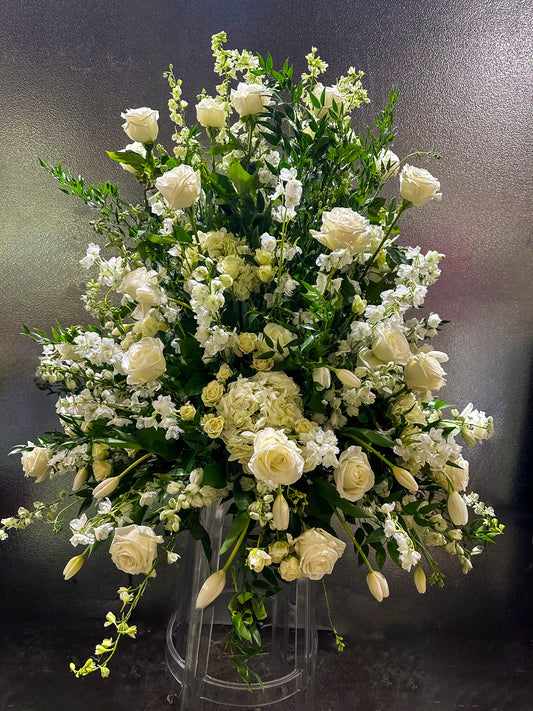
280, 336
322, 377
343, 228
134, 548
276, 460
289, 569
210, 113
318, 551
353, 476
278, 550
250, 99
424, 372
144, 361
418, 185
458, 474
134, 148
384, 159
212, 393
180, 186
141, 124
141, 285
389, 344
331, 94
257, 559
36, 464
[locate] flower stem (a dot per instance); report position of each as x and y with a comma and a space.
236, 547
352, 538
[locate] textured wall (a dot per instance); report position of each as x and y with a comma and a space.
461, 67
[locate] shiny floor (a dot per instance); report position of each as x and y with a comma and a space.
395, 672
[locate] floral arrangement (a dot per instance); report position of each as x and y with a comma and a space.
257, 346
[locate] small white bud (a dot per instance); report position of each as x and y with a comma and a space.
105, 487
80, 478
377, 584
347, 378
211, 589
457, 509
73, 566
405, 478
420, 579
281, 513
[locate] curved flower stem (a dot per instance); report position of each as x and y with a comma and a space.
370, 449
405, 204
352, 538
136, 463
236, 547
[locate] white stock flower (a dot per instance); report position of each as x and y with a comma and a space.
141, 124
134, 548
144, 361
210, 113
318, 551
180, 186
353, 475
418, 185
250, 99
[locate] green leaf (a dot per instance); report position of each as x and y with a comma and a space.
129, 157
369, 436
214, 476
153, 440
239, 524
240, 177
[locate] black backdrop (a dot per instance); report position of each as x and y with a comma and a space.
461, 67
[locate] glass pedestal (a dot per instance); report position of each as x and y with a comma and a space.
195, 648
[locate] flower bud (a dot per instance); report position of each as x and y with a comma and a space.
281, 513
420, 579
377, 584
105, 487
73, 566
80, 478
347, 378
457, 509
211, 589
405, 478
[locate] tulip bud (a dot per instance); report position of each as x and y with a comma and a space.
347, 378
405, 478
211, 589
80, 478
105, 487
457, 509
377, 584
420, 580
280, 513
73, 566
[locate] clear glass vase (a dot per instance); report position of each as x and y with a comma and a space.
196, 639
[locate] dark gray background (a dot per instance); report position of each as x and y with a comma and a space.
463, 71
